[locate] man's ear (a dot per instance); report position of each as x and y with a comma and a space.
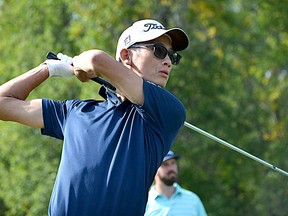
125, 56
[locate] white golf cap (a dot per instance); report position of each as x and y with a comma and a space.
145, 30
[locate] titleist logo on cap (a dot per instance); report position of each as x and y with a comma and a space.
151, 26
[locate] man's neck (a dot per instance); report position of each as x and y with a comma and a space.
167, 190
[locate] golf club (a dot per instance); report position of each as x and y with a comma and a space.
51, 55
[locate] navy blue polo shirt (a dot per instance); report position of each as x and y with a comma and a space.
111, 150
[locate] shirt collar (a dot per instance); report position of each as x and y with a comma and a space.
154, 193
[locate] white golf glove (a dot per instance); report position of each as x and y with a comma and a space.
60, 68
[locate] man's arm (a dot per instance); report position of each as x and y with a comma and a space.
13, 94
95, 63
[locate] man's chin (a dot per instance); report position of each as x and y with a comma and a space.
169, 181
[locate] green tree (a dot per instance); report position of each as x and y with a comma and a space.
232, 80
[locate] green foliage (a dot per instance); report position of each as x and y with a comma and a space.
232, 80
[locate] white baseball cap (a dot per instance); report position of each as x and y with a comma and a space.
147, 29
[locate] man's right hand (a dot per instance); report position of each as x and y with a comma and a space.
60, 68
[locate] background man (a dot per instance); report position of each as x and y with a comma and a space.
167, 198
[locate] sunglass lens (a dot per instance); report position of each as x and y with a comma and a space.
175, 57
160, 51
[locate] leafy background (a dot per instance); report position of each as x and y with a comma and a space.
232, 81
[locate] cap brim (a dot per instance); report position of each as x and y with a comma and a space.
170, 157
180, 40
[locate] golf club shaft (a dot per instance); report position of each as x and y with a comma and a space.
51, 55
190, 126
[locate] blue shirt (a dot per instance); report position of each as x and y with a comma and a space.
111, 150
181, 203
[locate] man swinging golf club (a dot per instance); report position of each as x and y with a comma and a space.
111, 149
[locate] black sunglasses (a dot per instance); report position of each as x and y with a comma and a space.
161, 52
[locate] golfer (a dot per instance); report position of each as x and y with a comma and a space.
111, 149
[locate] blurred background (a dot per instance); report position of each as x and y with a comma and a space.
232, 80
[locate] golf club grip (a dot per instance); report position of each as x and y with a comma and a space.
51, 55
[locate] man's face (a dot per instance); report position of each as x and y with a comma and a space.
168, 172
148, 66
